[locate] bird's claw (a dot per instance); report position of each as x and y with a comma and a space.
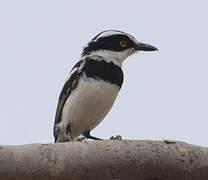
118, 137
80, 139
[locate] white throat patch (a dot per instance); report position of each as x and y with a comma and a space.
111, 56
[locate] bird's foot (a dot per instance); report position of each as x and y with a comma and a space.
80, 139
118, 137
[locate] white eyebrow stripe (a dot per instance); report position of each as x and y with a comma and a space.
109, 33
113, 32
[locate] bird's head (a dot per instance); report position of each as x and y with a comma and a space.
115, 46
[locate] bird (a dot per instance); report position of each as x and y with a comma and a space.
93, 84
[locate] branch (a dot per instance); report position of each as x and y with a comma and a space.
126, 159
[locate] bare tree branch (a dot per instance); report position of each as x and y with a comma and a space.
126, 159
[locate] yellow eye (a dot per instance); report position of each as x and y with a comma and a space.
123, 43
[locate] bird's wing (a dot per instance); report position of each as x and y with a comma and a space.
69, 85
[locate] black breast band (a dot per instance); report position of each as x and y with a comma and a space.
106, 71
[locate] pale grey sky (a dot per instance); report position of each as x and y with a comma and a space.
164, 95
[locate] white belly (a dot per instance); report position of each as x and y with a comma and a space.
88, 104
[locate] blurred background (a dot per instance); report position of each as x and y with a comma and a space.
164, 95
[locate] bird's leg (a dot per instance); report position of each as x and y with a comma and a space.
118, 137
68, 129
69, 137
88, 136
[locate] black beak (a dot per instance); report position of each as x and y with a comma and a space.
145, 47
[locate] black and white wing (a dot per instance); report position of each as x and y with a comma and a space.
69, 85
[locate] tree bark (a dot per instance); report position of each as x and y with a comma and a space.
126, 159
